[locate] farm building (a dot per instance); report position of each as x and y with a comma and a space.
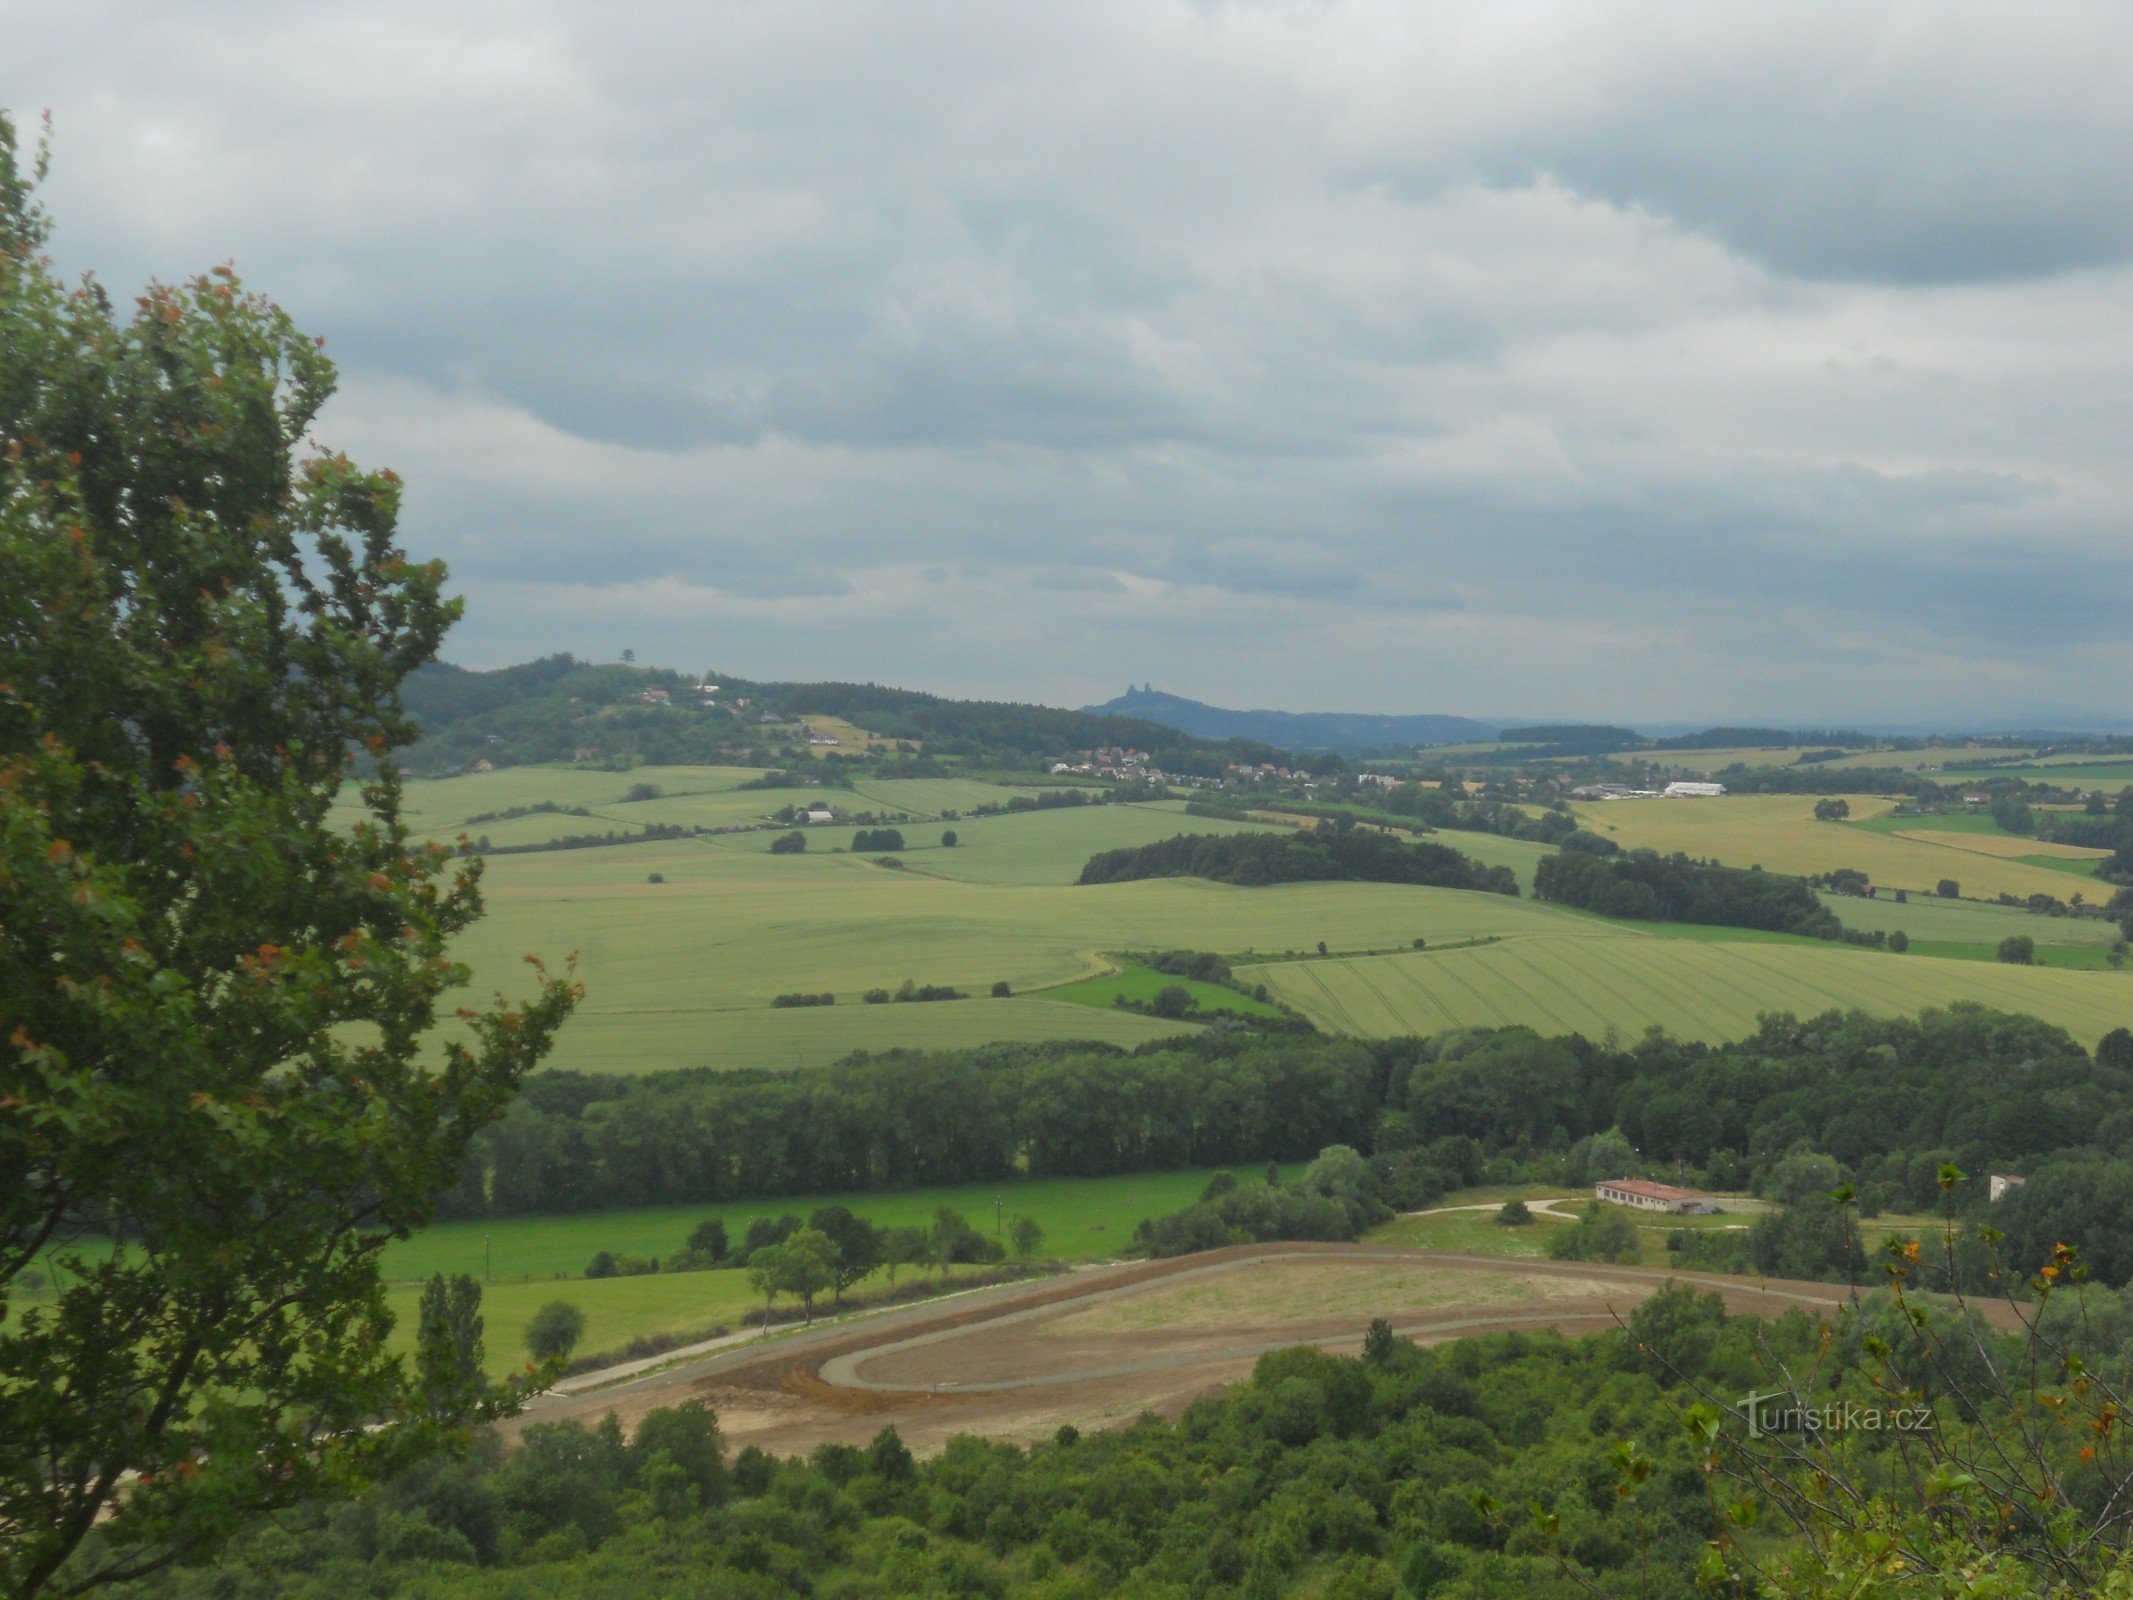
2003, 1181
1655, 1197
818, 814
1695, 791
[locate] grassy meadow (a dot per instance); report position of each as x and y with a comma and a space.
533, 1260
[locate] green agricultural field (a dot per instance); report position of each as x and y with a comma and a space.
1049, 847
1964, 821
1780, 833
1966, 921
538, 1259
2075, 772
617, 1310
673, 968
682, 972
1697, 989
2068, 957
1082, 1218
1132, 982
662, 1040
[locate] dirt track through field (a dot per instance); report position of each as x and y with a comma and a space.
1103, 1345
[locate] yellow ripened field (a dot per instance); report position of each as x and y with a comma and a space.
1780, 833
2006, 846
1701, 989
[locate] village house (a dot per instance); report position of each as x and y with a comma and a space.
2001, 1182
1646, 1196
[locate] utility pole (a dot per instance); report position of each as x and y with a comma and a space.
488, 1274
997, 1203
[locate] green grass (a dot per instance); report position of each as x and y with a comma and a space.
1930, 918
1964, 821
1701, 990
1133, 982
1051, 847
539, 1259
682, 972
2080, 772
2069, 957
2077, 866
661, 1040
1082, 1218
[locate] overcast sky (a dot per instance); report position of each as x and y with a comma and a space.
1636, 362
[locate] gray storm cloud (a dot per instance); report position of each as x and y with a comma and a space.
1637, 361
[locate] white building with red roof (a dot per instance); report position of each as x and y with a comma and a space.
1646, 1196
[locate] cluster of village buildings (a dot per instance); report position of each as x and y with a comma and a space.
1673, 791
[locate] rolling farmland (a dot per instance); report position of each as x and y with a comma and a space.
1779, 832
681, 973
1701, 989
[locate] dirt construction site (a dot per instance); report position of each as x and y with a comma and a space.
1099, 1346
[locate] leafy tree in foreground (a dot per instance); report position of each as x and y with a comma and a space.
219, 1002
449, 1345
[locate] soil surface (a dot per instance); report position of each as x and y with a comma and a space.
1102, 1345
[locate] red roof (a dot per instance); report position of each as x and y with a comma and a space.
1653, 1191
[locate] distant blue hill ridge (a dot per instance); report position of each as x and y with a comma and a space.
1295, 730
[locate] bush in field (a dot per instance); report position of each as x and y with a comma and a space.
1002, 989
1173, 1001
1515, 1214
2018, 950
1948, 889
1899, 941
555, 1331
1603, 1233
911, 990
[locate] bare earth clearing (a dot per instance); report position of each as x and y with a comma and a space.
1103, 1345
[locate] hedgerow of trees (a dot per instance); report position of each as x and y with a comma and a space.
1323, 854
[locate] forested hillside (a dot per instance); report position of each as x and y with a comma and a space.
557, 708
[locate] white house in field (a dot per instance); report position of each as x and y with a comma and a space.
1644, 1196
1694, 791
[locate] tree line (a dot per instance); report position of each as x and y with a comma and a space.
1323, 854
1889, 1099
1644, 886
